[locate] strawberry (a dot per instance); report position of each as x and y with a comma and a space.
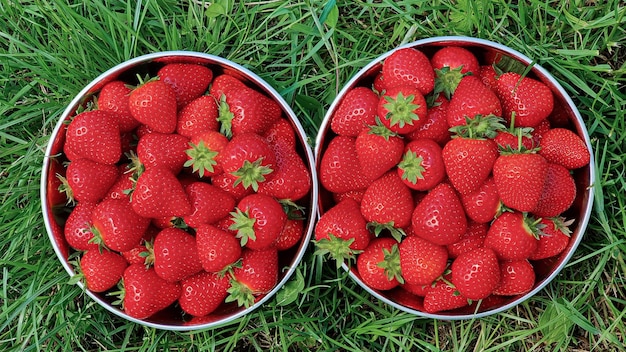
123, 185
339, 169
559, 192
388, 203
379, 83
554, 237
102, 269
291, 234
200, 115
518, 138
356, 195
443, 296
94, 135
256, 277
154, 104
203, 293
421, 261
117, 226
451, 64
189, 81
136, 255
158, 193
417, 290
471, 97
163, 150
436, 125
421, 167
226, 183
379, 264
564, 147
209, 204
281, 136
409, 66
516, 278
355, 112
476, 273
525, 101
488, 76
470, 155
482, 205
405, 298
174, 255
342, 231
472, 239
258, 220
291, 179
77, 229
217, 249
113, 97
378, 150
539, 130
402, 109
512, 236
439, 217
519, 178
203, 153
225, 83
87, 181
248, 159
145, 293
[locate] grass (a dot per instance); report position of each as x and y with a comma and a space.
307, 50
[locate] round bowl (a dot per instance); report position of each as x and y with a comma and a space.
55, 211
546, 270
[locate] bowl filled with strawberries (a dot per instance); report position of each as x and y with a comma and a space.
178, 190
456, 178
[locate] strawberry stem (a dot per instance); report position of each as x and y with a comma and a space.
401, 110
378, 228
201, 158
447, 80
244, 225
337, 248
412, 168
251, 174
391, 264
225, 118
240, 293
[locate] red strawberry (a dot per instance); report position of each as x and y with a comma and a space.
379, 264
529, 100
520, 137
402, 109
472, 98
209, 204
469, 157
257, 276
512, 236
516, 278
248, 159
258, 220
564, 147
203, 293
217, 249
443, 296
189, 81
199, 116
451, 64
226, 183
281, 136
163, 150
417, 290
94, 135
113, 97
519, 178
388, 203
246, 111
559, 192
409, 66
117, 225
291, 179
123, 186
476, 273
421, 261
340, 170
77, 229
102, 269
487, 75
379, 83
342, 231
136, 255
225, 83
174, 255
154, 104
378, 150
436, 125
88, 181
472, 239
538, 131
291, 234
554, 237
439, 217
203, 153
482, 205
145, 293
158, 193
356, 195
355, 112
421, 167
405, 298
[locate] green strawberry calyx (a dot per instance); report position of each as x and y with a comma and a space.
377, 228
391, 264
243, 223
250, 174
446, 80
240, 293
65, 188
337, 248
225, 117
201, 158
479, 127
412, 167
532, 225
401, 110
381, 130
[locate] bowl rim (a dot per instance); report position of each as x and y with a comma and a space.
582, 132
258, 81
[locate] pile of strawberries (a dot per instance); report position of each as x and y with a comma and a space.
185, 190
451, 180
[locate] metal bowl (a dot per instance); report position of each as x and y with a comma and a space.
55, 215
546, 270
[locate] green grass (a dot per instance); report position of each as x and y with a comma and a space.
307, 50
